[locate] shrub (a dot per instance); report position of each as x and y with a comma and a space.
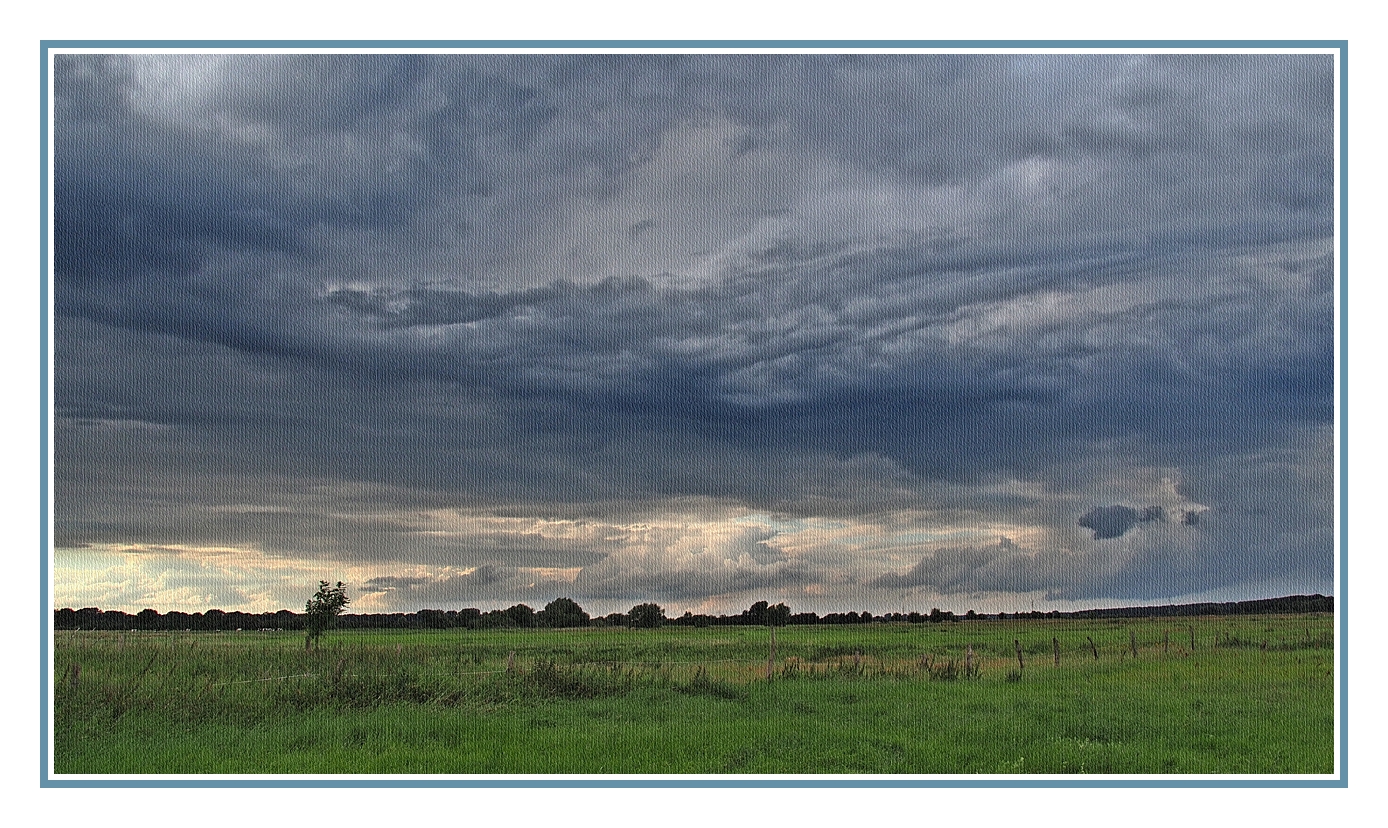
948, 671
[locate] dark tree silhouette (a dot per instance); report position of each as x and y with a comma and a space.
322, 609
521, 615
646, 615
778, 615
562, 612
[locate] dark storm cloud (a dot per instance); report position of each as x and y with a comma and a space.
1114, 521
1265, 527
823, 285
481, 576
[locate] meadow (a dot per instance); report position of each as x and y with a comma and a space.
1131, 696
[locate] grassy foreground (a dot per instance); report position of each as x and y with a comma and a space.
1254, 697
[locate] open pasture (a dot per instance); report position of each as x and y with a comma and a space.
1255, 696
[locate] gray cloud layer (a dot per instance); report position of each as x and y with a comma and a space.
363, 287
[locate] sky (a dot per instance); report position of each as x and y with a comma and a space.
872, 332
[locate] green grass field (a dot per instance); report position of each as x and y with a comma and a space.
1254, 697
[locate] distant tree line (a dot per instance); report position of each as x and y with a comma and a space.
564, 612
561, 612
1263, 606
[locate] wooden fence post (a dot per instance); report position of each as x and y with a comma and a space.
857, 661
968, 661
511, 662
1018, 645
1055, 645
76, 671
1093, 648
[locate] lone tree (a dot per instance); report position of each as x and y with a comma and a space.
323, 609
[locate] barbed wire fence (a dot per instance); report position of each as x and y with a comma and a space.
930, 665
